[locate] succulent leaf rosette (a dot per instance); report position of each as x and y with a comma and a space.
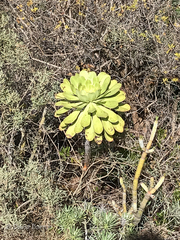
94, 99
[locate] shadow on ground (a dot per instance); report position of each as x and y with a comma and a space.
148, 235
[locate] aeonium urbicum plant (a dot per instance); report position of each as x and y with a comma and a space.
94, 102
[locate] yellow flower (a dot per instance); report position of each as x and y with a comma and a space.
156, 18
58, 26
34, 9
171, 46
177, 55
133, 6
165, 80
29, 3
142, 35
133, 30
80, 2
113, 8
174, 79
157, 38
164, 18
20, 7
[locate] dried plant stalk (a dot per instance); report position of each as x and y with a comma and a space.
140, 166
137, 217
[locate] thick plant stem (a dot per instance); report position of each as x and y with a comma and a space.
140, 166
150, 192
135, 182
87, 155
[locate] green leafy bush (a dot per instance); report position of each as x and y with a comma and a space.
22, 190
25, 92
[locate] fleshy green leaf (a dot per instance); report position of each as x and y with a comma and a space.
60, 96
72, 117
70, 97
61, 111
64, 104
123, 108
84, 74
108, 127
66, 86
110, 104
89, 132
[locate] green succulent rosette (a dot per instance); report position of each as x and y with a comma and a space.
94, 99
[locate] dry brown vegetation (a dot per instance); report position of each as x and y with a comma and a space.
43, 41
